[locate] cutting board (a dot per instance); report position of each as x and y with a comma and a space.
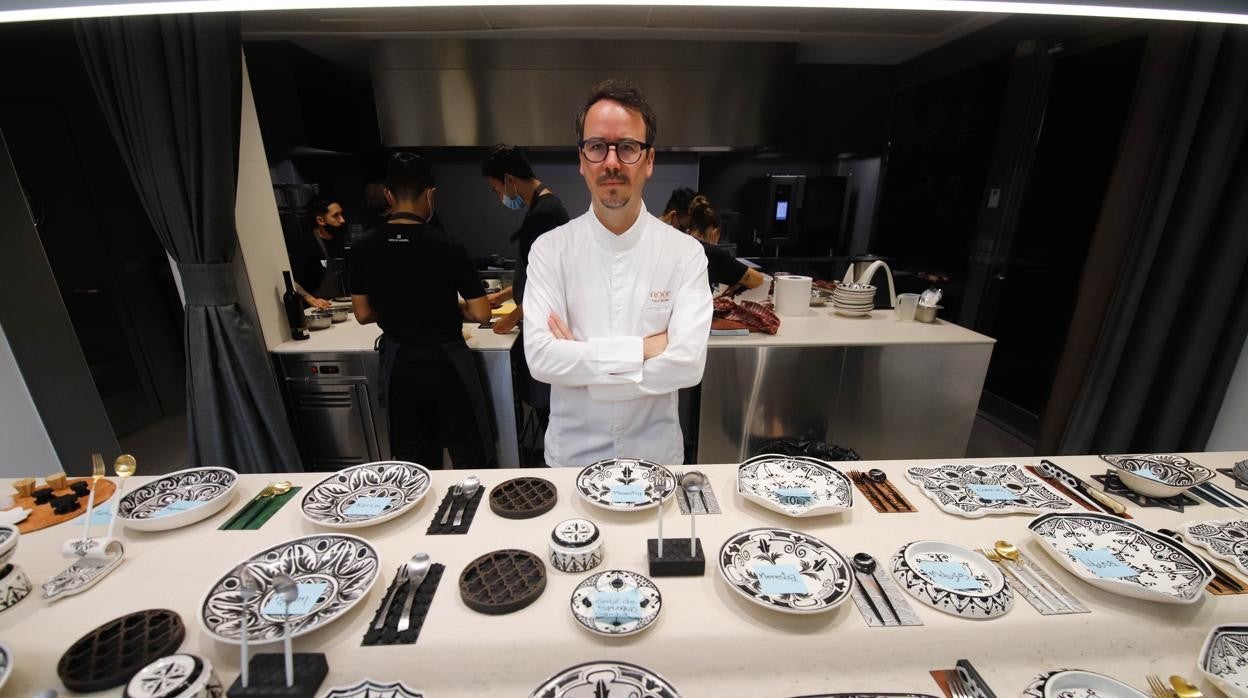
42, 516
504, 309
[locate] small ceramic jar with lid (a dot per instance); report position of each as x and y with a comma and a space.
575, 546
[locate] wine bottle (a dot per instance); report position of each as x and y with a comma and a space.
294, 309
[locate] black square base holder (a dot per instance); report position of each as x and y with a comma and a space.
268, 676
676, 560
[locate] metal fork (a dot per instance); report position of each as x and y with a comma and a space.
1159, 688
988, 552
459, 489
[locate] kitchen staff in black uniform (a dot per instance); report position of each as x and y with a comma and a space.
509, 175
321, 258
405, 276
721, 266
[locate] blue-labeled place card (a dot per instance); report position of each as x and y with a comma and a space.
100, 515
176, 507
1102, 563
368, 506
309, 592
1147, 474
950, 575
992, 493
629, 494
780, 579
794, 495
617, 605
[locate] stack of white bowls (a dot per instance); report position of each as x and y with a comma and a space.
854, 299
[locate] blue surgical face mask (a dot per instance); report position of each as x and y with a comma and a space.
514, 203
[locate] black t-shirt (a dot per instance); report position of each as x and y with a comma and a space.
721, 266
411, 274
545, 213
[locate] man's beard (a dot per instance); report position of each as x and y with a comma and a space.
616, 199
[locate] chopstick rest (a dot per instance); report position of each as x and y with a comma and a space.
437, 528
387, 635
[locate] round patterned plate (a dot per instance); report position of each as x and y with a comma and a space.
605, 679
621, 590
952, 579
343, 568
1076, 683
177, 499
625, 484
794, 485
502, 581
365, 494
758, 563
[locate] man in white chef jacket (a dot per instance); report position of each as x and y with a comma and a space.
618, 308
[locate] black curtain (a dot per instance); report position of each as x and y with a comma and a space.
1179, 316
170, 88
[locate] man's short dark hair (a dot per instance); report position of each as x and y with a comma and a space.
679, 201
319, 205
506, 159
408, 176
629, 96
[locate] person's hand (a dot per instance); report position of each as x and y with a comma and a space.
507, 323
653, 345
558, 328
319, 303
495, 299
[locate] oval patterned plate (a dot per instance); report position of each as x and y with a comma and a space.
177, 499
344, 564
365, 494
952, 579
1224, 659
1123, 558
794, 485
625, 484
783, 557
618, 583
605, 679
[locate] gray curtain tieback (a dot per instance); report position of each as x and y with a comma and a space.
209, 284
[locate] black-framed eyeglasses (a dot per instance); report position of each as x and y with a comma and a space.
627, 150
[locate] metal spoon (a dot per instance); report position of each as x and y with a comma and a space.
1184, 689
692, 483
417, 569
472, 483
866, 564
1009, 551
271, 490
286, 590
124, 466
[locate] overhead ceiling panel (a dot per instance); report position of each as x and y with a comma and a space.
884, 22
731, 18
551, 17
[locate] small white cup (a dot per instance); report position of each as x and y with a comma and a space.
907, 303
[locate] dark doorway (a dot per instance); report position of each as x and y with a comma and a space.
1089, 96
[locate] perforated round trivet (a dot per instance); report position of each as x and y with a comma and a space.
523, 498
502, 581
112, 653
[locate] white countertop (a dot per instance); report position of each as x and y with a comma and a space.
352, 336
822, 327
709, 642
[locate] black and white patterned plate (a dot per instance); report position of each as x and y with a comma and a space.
952, 488
1076, 683
374, 689
6, 663
585, 597
605, 680
1173, 471
1227, 540
347, 565
148, 507
175, 676
1164, 570
914, 567
825, 572
782, 483
598, 481
1224, 659
330, 502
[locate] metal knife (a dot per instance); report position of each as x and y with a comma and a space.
399, 579
405, 618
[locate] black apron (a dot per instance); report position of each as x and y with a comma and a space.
331, 285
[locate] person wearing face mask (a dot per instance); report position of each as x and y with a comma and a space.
618, 304
507, 172
320, 263
408, 277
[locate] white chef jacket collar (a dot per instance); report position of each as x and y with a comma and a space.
624, 241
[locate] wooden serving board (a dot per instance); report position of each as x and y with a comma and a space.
42, 516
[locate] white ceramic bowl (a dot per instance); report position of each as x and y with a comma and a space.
1164, 476
8, 542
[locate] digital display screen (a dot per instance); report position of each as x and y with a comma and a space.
782, 210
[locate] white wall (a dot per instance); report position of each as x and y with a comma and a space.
261, 245
27, 449
1230, 432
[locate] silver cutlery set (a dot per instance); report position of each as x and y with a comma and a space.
461, 496
409, 578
